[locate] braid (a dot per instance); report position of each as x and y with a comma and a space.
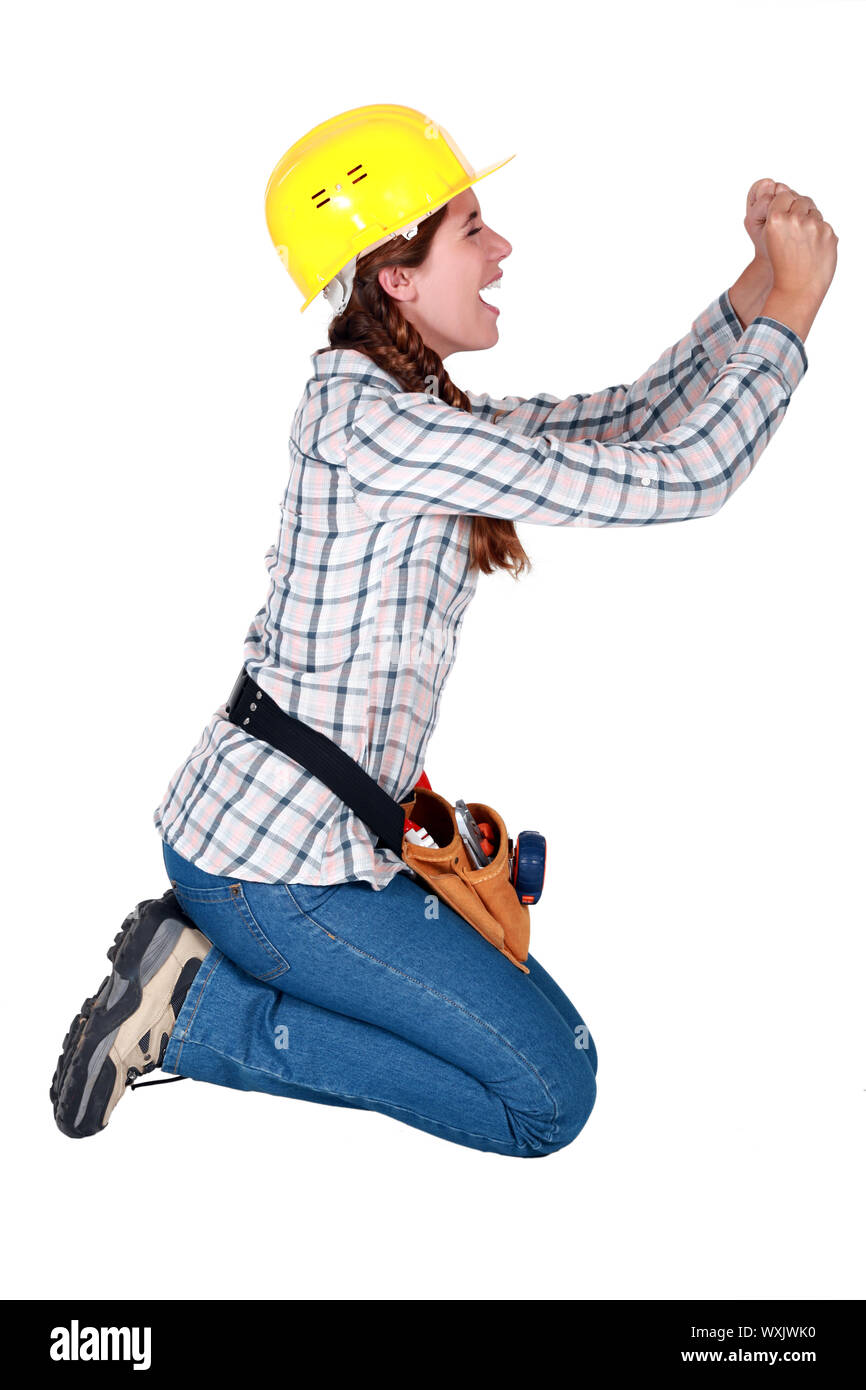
410, 357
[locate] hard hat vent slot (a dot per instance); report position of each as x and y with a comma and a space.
323, 191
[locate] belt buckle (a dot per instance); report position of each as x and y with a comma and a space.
236, 693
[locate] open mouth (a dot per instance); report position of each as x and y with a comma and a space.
491, 285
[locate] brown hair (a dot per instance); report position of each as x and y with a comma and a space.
373, 323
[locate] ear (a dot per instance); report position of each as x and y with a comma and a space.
396, 281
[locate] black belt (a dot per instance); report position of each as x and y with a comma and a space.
251, 709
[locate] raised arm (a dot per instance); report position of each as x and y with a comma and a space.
406, 453
655, 403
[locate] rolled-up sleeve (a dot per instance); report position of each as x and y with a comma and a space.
657, 401
408, 453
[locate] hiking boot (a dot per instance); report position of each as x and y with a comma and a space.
122, 1031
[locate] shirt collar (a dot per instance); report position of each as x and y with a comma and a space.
349, 362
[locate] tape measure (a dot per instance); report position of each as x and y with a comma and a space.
528, 864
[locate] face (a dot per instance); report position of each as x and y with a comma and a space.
442, 297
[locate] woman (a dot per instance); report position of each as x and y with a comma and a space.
304, 960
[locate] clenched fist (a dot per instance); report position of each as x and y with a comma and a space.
758, 200
801, 247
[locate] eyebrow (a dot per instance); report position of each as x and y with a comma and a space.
469, 219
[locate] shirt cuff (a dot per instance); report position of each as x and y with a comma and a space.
767, 340
718, 329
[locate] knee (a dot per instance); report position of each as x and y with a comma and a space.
571, 1096
576, 1098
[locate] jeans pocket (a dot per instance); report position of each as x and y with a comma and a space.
224, 915
310, 896
308, 899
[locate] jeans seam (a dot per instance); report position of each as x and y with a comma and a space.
439, 995
373, 1100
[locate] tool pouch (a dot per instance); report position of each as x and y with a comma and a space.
486, 897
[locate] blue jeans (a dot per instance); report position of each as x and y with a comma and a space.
383, 1001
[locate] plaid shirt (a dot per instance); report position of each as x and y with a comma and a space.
370, 579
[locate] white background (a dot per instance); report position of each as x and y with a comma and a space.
679, 708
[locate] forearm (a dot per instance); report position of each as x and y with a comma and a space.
748, 295
672, 386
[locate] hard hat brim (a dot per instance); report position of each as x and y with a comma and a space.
455, 193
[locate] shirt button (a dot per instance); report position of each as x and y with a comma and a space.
646, 479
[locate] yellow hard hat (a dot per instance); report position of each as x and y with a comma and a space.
354, 182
